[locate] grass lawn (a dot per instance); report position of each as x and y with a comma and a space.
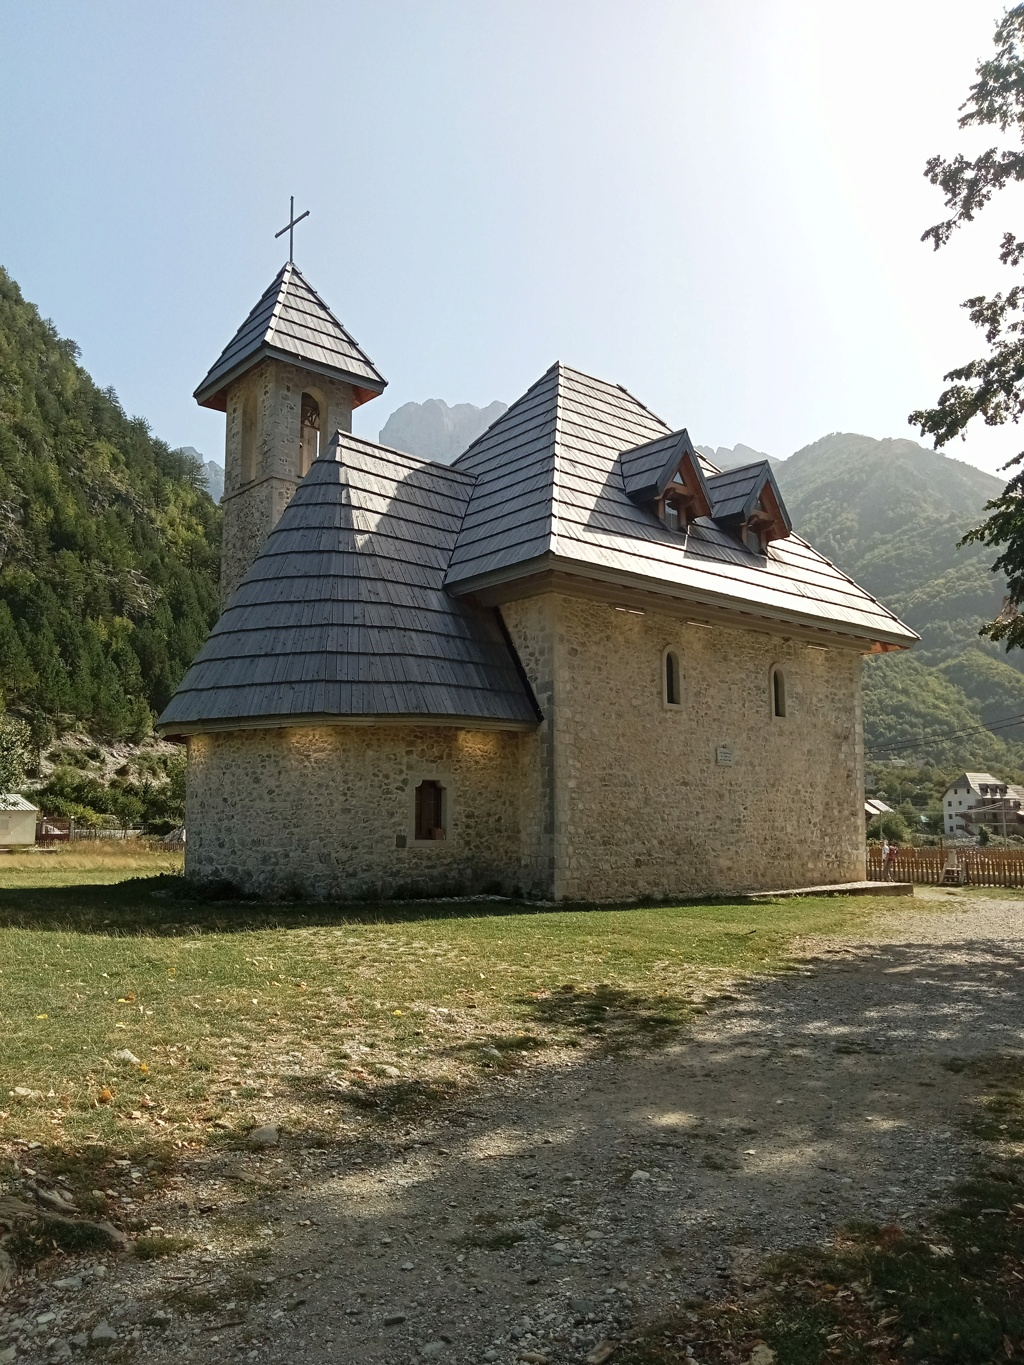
324, 1017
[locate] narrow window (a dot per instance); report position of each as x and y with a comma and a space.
672, 692
247, 464
430, 811
778, 693
310, 432
670, 515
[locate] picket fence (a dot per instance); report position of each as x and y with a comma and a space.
982, 866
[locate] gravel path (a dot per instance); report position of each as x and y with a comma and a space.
582, 1200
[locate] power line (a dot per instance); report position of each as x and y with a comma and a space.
1006, 723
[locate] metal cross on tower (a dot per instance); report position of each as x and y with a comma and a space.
289, 227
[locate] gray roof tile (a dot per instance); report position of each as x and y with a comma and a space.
291, 321
344, 613
355, 606
564, 439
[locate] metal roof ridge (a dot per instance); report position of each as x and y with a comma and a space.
284, 275
335, 319
611, 384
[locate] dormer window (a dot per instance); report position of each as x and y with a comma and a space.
747, 502
665, 478
753, 539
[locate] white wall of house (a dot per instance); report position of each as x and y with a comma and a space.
967, 791
17, 827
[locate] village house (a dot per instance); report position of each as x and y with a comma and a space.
977, 799
580, 662
17, 821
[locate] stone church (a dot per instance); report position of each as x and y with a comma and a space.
579, 663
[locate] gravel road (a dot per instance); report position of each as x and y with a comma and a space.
577, 1201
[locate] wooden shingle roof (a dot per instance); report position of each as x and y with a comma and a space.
362, 602
344, 612
291, 322
550, 493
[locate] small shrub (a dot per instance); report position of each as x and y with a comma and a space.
154, 1247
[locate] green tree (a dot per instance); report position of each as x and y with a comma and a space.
15, 745
991, 387
889, 825
109, 545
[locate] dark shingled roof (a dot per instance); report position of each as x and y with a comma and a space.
359, 604
344, 612
648, 470
734, 494
550, 494
291, 322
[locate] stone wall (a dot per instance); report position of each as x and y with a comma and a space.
263, 459
644, 797
328, 811
616, 795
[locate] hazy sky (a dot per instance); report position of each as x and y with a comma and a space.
716, 203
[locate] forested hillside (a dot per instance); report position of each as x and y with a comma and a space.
109, 544
890, 514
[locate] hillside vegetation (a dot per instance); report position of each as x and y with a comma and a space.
109, 544
890, 514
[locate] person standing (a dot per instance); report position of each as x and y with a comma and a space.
886, 855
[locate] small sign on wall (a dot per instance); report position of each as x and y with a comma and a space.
723, 755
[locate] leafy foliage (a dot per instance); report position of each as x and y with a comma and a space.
109, 544
890, 825
15, 739
148, 791
991, 387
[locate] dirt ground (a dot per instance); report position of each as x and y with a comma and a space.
573, 1203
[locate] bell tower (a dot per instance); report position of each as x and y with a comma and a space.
288, 379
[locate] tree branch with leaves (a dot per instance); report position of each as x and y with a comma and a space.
991, 387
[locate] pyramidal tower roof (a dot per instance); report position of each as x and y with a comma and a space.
291, 322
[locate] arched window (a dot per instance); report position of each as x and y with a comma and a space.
310, 432
673, 691
247, 463
778, 681
430, 811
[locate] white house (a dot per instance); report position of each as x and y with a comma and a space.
968, 791
17, 821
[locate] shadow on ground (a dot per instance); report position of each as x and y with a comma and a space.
560, 1207
170, 905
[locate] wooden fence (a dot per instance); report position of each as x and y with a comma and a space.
982, 866
56, 829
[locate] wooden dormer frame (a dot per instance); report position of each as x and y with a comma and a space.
756, 512
768, 517
668, 474
687, 491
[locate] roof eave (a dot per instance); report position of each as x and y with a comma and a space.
212, 392
178, 730
876, 641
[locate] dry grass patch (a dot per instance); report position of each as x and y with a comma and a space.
139, 1021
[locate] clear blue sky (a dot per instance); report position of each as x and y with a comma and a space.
716, 203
